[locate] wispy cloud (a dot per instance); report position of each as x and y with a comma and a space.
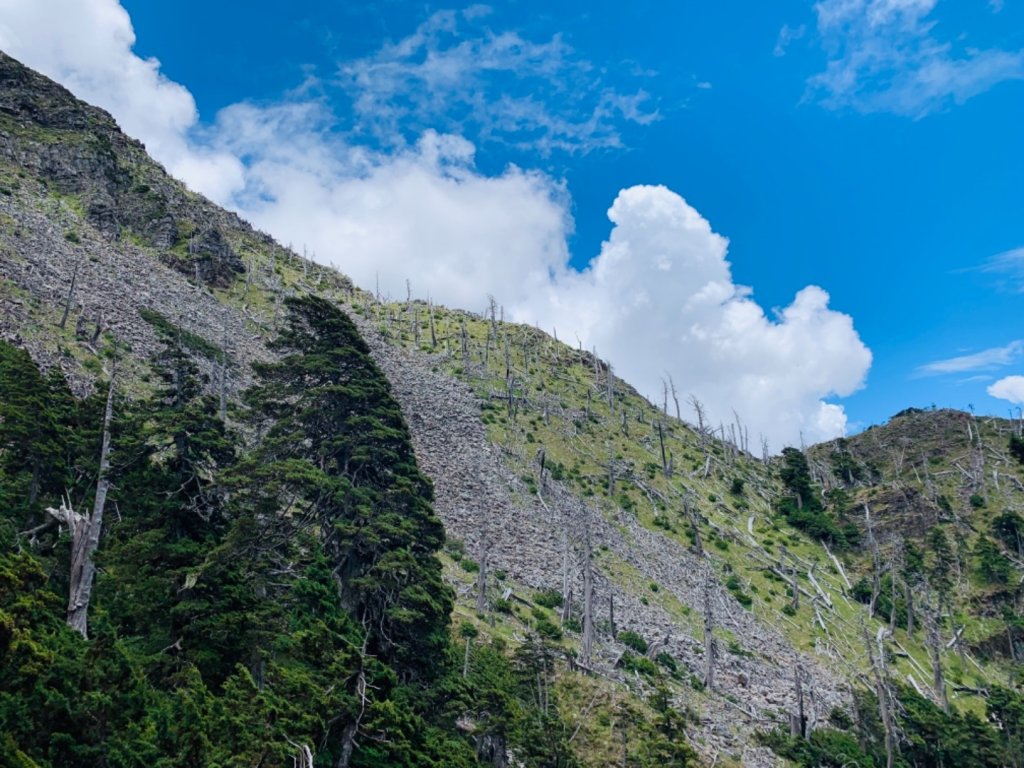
1009, 266
887, 56
454, 75
986, 360
786, 36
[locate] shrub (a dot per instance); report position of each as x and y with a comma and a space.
667, 661
632, 663
633, 640
549, 598
547, 630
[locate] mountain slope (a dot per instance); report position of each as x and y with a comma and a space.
538, 455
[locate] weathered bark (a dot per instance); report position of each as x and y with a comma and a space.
797, 724
876, 564
709, 637
675, 397
481, 584
348, 744
664, 458
880, 675
588, 601
433, 330
85, 532
566, 588
935, 653
70, 300
908, 595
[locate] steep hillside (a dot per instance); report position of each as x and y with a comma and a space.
944, 487
660, 585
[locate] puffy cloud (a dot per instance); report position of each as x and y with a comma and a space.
86, 45
658, 298
1009, 388
423, 213
885, 57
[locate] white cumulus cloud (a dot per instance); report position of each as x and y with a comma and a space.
86, 45
1009, 388
659, 297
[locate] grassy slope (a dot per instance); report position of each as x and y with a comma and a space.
560, 405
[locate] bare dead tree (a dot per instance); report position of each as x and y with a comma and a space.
675, 398
895, 568
481, 575
664, 459
70, 300
566, 581
588, 598
931, 618
85, 532
798, 722
709, 626
99, 329
305, 755
882, 692
224, 369
876, 562
351, 730
691, 513
433, 330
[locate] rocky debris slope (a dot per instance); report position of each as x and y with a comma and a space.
533, 538
113, 282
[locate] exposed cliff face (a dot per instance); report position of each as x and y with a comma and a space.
79, 151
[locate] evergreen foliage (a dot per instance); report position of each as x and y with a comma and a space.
255, 596
931, 738
802, 505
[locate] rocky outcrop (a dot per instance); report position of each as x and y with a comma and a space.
79, 152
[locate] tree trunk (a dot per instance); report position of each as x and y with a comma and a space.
882, 692
801, 721
86, 534
481, 584
588, 602
709, 638
938, 679
71, 296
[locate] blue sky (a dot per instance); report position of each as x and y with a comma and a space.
869, 147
